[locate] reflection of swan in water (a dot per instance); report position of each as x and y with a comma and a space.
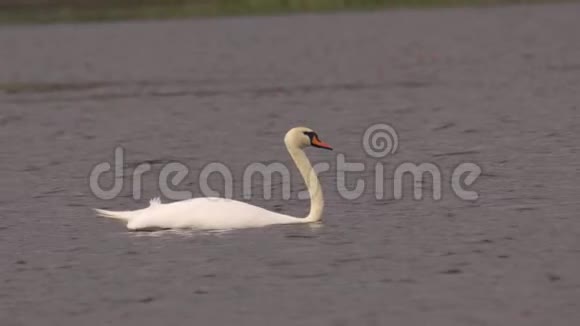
217, 213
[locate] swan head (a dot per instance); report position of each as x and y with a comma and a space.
301, 137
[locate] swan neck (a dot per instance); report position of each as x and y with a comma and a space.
311, 180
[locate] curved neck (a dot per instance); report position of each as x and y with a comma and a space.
311, 180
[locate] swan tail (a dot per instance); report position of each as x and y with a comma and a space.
119, 215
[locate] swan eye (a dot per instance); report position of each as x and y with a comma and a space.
311, 134
315, 141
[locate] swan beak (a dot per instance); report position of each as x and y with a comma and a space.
320, 144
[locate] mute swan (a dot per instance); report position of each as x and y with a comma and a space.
210, 213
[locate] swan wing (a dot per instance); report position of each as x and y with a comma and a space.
155, 201
207, 213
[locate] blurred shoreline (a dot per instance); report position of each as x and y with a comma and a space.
56, 11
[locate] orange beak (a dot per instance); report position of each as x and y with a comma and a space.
318, 143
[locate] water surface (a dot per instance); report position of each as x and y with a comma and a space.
497, 86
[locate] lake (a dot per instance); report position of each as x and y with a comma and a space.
495, 87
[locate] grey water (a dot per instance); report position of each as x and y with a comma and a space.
496, 86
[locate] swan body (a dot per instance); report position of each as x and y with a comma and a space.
208, 213
211, 213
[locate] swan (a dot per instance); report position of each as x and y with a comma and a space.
212, 213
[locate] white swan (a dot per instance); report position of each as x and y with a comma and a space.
218, 213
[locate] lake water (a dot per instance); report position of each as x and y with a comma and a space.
498, 87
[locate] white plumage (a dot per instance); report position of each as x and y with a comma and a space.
210, 213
